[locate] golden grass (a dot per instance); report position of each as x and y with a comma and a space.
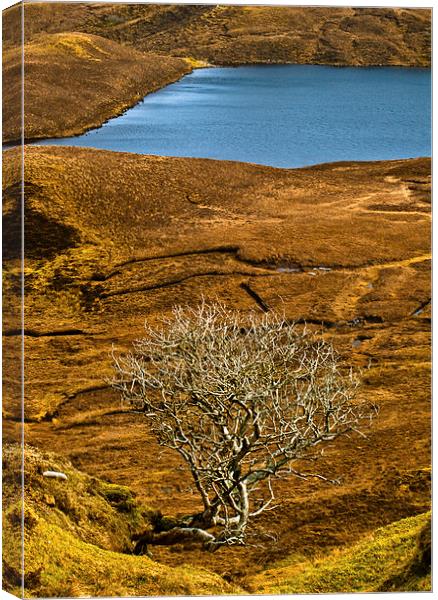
245, 34
70, 567
77, 543
69, 246
89, 278
196, 63
363, 568
75, 44
100, 79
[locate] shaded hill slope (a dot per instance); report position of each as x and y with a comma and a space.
77, 536
248, 34
76, 81
113, 238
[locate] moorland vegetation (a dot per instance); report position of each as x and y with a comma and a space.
90, 283
243, 401
114, 238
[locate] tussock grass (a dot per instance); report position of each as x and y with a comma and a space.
148, 214
100, 79
244, 34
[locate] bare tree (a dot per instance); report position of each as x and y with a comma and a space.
243, 399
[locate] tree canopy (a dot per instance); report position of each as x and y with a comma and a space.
243, 398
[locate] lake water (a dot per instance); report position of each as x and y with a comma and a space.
285, 116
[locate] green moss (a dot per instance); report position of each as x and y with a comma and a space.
69, 567
415, 573
75, 533
362, 568
119, 496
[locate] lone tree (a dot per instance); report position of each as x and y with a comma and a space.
242, 399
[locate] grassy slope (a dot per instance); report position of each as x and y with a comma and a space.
233, 34
399, 345
365, 567
91, 282
77, 537
76, 81
77, 542
70, 250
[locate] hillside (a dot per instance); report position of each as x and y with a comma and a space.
78, 542
77, 536
248, 34
76, 81
86, 63
399, 552
113, 238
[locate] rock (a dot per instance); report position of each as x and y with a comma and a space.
55, 474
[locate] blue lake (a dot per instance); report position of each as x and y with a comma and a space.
285, 116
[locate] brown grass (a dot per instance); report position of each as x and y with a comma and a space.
148, 232
86, 63
111, 239
250, 34
77, 536
378, 276
76, 81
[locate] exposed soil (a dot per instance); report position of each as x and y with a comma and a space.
343, 246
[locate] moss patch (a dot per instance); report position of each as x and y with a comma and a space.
363, 568
69, 567
75, 531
